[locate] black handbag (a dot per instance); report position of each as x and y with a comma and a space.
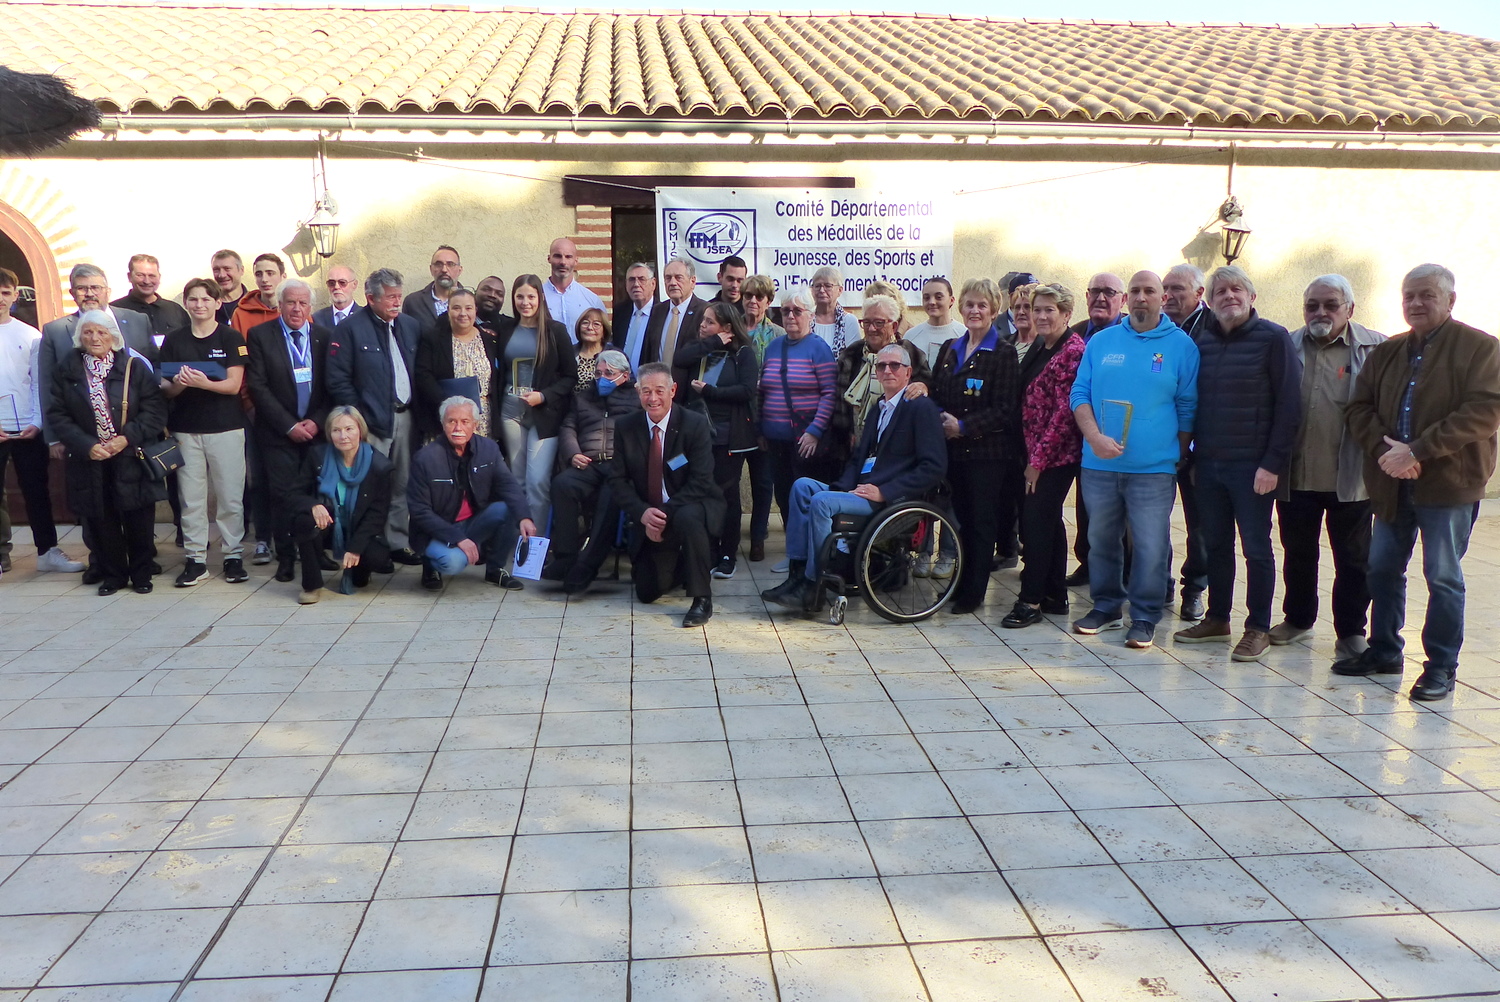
160, 459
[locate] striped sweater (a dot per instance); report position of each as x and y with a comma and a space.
804, 371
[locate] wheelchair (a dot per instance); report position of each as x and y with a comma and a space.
874, 555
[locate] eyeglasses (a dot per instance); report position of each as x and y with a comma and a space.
890, 366
591, 323
90, 288
338, 283
793, 311
824, 285
876, 324
1105, 292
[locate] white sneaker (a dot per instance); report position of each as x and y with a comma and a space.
943, 567
56, 560
781, 566
922, 568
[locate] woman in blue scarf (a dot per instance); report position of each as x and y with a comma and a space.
348, 487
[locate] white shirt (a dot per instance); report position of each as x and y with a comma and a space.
666, 495
930, 338
439, 306
888, 407
20, 352
567, 305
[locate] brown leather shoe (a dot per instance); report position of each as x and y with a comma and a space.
1204, 631
757, 550
1251, 646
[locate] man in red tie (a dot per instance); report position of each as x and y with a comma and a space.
663, 479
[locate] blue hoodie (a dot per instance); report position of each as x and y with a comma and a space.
1157, 374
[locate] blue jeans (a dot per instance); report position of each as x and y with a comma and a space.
1445, 539
811, 520
492, 530
1226, 499
1143, 501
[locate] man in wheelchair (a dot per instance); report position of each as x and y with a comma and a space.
901, 455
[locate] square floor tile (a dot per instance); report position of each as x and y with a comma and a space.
1148, 834
403, 986
284, 939
879, 974
1260, 828
1407, 955
809, 852
955, 906
1032, 841
600, 982
560, 927
1002, 791
1203, 781
386, 941
969, 971
902, 795
1325, 885
364, 818
1273, 961
925, 845
468, 814
684, 805
76, 882
33, 943
1095, 787
1204, 892
1364, 823
1138, 966
811, 914
127, 947
234, 823
744, 978
442, 867
1083, 899
676, 856
695, 920
569, 862
575, 808
678, 762
1435, 880
311, 873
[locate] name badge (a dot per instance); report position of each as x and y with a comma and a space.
869, 465
303, 373
677, 462
1156, 362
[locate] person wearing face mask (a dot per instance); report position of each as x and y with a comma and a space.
722, 369
580, 493
346, 486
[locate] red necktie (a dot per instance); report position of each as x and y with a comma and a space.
653, 468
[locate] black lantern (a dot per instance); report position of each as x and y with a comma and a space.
1232, 235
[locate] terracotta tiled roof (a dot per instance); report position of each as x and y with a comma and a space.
131, 57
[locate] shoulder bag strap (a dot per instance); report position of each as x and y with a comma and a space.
125, 393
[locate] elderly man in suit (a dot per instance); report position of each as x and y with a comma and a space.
288, 359
431, 301
633, 314
342, 287
663, 479
676, 320
371, 365
900, 455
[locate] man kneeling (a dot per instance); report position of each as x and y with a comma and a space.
900, 456
662, 477
462, 501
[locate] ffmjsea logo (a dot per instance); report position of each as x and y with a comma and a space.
713, 236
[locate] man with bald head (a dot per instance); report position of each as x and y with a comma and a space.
342, 286
1249, 409
567, 298
1134, 398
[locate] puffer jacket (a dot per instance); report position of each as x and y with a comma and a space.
1249, 394
589, 426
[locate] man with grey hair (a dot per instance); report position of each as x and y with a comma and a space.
371, 365
431, 301
1425, 411
1249, 407
675, 320
1326, 479
633, 313
1182, 302
1182, 297
342, 286
567, 298
286, 375
580, 493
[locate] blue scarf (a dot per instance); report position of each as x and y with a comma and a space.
335, 471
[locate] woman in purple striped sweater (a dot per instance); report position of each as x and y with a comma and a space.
798, 383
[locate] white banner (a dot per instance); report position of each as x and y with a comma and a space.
789, 233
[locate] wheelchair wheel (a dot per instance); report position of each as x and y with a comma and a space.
887, 552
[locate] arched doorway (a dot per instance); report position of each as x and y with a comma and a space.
25, 251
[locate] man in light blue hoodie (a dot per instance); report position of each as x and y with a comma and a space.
1134, 399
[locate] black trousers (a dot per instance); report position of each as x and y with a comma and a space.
1195, 561
310, 543
787, 467
123, 543
584, 495
728, 468
1011, 500
1302, 519
684, 555
976, 484
762, 476
30, 456
283, 465
1044, 537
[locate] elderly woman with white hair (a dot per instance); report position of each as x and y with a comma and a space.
798, 388
105, 405
830, 322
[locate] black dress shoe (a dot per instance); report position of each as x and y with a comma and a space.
386, 568
789, 592
326, 562
431, 579
93, 575
1434, 683
700, 612
557, 569
285, 570
1052, 608
1368, 663
108, 588
144, 588
1078, 579
962, 608
155, 568
1193, 608
1022, 615
757, 550
406, 555
578, 580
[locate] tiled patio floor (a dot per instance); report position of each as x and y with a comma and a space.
217, 795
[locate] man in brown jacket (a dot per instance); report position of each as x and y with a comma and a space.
1424, 411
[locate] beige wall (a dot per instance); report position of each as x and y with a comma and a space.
1369, 224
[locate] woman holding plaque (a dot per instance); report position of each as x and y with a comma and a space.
534, 384
723, 370
1054, 447
592, 336
974, 381
456, 351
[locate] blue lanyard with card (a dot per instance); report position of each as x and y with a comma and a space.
300, 351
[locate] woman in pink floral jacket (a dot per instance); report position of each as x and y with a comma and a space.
1054, 446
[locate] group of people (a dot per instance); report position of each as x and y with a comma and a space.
433, 427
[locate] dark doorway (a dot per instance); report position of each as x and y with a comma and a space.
634, 240
12, 257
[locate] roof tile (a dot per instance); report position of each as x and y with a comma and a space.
755, 64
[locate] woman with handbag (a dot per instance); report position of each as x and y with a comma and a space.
347, 488
798, 385
208, 425
724, 373
105, 405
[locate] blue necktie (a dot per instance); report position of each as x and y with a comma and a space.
302, 356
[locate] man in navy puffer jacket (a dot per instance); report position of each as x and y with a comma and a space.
1249, 407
